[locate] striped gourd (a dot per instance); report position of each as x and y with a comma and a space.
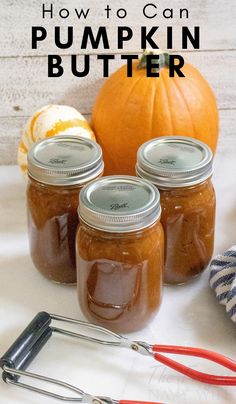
49, 121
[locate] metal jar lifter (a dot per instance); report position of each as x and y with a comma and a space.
16, 360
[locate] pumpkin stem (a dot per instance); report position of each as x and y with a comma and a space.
164, 59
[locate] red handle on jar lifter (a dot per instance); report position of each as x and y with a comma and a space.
194, 374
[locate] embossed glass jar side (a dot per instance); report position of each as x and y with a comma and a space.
58, 169
181, 168
120, 253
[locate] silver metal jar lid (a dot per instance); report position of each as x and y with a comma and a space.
119, 204
174, 161
65, 160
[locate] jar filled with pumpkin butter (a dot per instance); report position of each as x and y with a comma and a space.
120, 252
181, 168
58, 168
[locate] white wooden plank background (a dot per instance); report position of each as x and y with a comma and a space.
12, 129
17, 16
25, 87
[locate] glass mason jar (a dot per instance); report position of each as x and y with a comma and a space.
58, 168
181, 168
120, 252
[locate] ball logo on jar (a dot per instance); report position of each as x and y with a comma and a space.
59, 160
167, 161
116, 206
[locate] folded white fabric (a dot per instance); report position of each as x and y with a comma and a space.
223, 280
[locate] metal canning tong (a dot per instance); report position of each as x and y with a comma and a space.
16, 360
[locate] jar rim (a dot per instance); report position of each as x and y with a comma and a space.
91, 227
174, 161
65, 160
119, 204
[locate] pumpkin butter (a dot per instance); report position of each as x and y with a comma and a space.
182, 168
58, 168
188, 217
52, 224
120, 253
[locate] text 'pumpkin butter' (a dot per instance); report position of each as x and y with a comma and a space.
131, 110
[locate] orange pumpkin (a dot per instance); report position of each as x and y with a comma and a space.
130, 111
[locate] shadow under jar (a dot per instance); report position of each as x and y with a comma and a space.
181, 168
120, 253
58, 168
